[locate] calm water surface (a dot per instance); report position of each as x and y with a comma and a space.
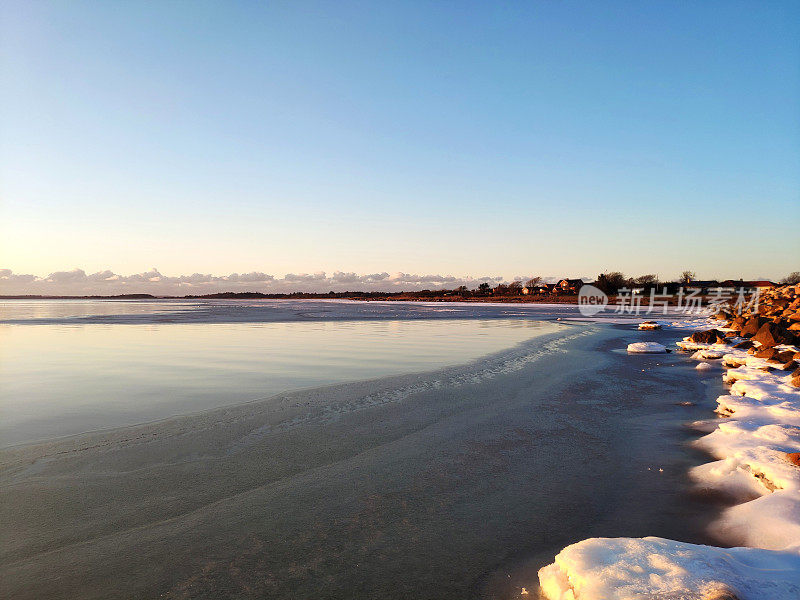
66, 377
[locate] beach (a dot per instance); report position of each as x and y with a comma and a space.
457, 482
755, 444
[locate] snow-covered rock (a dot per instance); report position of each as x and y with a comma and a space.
657, 569
646, 348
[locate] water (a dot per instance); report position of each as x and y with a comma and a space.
456, 482
67, 376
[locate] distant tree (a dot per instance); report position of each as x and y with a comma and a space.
612, 282
533, 282
792, 278
515, 288
616, 281
647, 280
462, 289
501, 289
484, 288
687, 277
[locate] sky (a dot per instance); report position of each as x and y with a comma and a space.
420, 143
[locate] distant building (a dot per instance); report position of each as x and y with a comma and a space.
569, 286
760, 285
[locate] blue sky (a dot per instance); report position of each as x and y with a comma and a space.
462, 138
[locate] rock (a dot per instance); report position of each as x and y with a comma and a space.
718, 591
706, 337
732, 361
649, 325
770, 334
794, 458
785, 356
752, 326
788, 366
703, 366
744, 345
766, 353
646, 348
738, 323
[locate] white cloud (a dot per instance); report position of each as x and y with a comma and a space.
78, 282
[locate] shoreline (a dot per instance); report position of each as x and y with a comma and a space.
235, 410
756, 444
468, 474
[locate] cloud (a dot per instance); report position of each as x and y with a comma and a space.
78, 282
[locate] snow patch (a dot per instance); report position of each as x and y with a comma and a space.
646, 348
654, 568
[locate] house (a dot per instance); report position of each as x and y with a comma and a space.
703, 286
539, 288
569, 286
760, 285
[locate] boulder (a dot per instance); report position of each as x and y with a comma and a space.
785, 356
707, 337
788, 366
771, 334
752, 325
721, 593
744, 345
794, 458
766, 353
646, 348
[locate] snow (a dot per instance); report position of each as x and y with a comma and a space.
760, 428
708, 354
646, 348
655, 568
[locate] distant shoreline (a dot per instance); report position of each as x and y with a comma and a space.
361, 296
571, 299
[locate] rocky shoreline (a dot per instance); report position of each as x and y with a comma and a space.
756, 443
